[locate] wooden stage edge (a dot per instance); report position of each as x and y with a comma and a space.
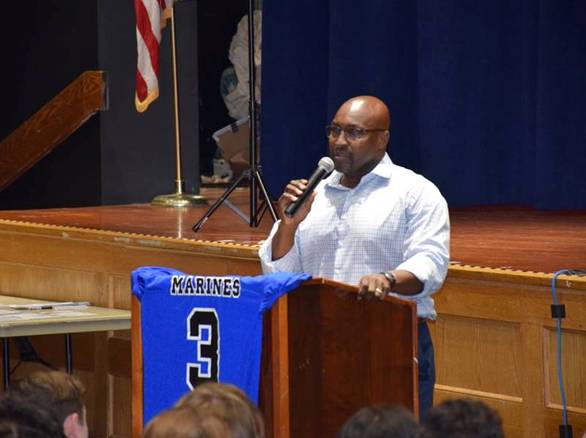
231, 248
494, 336
506, 239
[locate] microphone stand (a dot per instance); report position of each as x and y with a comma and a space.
253, 174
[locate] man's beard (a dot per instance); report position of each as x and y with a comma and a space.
343, 159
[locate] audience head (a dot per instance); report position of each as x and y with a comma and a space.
61, 393
23, 418
187, 422
379, 422
462, 418
211, 410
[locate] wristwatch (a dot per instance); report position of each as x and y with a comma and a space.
389, 275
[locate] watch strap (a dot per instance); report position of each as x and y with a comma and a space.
389, 275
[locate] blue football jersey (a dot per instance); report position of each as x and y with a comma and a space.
197, 329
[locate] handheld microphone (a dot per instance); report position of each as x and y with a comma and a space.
324, 168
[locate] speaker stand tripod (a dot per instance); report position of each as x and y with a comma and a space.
253, 174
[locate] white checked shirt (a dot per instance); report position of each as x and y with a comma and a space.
393, 219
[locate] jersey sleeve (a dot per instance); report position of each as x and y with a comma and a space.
149, 278
273, 286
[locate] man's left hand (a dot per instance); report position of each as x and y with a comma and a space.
373, 285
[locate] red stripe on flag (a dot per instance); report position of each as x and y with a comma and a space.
143, 24
141, 87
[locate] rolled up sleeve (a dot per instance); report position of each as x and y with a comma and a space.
290, 262
427, 240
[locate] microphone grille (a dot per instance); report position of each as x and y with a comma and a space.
326, 163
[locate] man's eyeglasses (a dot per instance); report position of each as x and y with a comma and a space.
350, 132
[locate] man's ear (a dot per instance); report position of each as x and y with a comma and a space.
384, 140
71, 425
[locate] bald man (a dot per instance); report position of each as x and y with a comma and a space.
370, 223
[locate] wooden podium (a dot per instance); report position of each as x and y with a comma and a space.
325, 355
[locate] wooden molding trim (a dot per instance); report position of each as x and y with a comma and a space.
280, 361
208, 247
479, 394
137, 370
528, 278
51, 125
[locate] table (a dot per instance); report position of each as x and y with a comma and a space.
53, 320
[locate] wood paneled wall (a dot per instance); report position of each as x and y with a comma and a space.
495, 341
494, 337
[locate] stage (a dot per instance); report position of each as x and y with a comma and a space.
514, 239
494, 336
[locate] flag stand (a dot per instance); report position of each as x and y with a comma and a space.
179, 198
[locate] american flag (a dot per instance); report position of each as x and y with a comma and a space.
151, 17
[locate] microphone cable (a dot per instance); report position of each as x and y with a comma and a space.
558, 312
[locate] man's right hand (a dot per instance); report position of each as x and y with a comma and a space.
284, 237
292, 192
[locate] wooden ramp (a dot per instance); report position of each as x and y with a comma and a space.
52, 124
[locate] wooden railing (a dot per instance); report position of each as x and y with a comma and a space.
52, 124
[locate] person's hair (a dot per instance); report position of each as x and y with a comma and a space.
187, 422
380, 422
461, 418
23, 418
229, 404
59, 391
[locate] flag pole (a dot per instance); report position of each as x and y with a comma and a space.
177, 199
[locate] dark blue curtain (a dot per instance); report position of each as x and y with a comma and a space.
488, 99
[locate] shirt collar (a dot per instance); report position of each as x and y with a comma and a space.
383, 169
